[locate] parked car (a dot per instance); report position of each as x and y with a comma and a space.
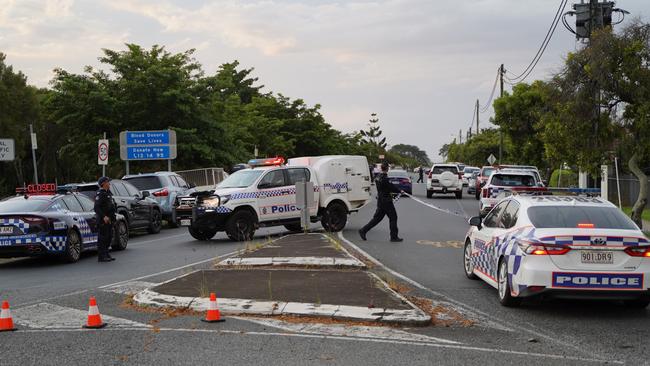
164, 187
401, 179
238, 167
471, 182
467, 173
501, 181
139, 209
445, 178
482, 178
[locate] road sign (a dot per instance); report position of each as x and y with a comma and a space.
34, 142
491, 159
381, 157
7, 150
148, 145
102, 152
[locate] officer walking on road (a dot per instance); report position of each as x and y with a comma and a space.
105, 213
421, 175
385, 205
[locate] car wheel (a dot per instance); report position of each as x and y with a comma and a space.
202, 233
293, 227
640, 303
241, 226
504, 290
334, 217
429, 193
459, 195
156, 222
467, 261
120, 236
72, 246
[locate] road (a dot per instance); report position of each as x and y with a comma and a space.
54, 297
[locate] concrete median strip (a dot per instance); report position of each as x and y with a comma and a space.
293, 261
412, 316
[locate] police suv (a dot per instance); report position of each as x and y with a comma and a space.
265, 195
561, 246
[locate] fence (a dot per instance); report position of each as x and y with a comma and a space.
629, 186
204, 178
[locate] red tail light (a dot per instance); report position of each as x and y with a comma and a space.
638, 251
535, 249
585, 226
485, 192
430, 174
404, 180
161, 193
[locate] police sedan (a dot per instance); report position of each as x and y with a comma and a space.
40, 222
560, 246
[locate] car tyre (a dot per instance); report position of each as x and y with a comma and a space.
72, 246
156, 222
294, 228
241, 226
459, 195
429, 193
202, 233
120, 236
640, 303
467, 261
335, 217
503, 286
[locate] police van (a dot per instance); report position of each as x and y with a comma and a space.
265, 195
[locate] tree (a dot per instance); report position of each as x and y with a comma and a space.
373, 135
412, 154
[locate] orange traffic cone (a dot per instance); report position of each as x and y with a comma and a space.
213, 315
94, 318
6, 322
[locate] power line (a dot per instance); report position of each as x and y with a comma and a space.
540, 51
494, 88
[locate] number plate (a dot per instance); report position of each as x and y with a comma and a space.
597, 257
6, 230
186, 222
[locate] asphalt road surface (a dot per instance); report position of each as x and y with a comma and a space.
54, 297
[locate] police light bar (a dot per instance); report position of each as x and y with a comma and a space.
266, 162
37, 189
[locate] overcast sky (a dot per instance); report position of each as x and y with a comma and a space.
419, 64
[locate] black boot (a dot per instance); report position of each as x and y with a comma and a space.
396, 240
362, 234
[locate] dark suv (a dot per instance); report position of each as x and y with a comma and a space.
141, 211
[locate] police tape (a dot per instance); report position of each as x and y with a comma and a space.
440, 209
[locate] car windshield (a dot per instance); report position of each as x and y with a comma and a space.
442, 169
398, 173
145, 183
572, 216
21, 204
241, 179
512, 180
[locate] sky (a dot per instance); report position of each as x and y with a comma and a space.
419, 64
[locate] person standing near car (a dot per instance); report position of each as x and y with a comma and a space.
420, 175
105, 213
385, 206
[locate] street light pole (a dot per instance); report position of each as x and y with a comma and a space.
32, 138
501, 73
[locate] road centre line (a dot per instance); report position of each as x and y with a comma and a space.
342, 338
496, 322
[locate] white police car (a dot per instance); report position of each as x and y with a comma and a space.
265, 195
561, 246
504, 180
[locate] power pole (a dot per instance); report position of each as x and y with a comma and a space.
502, 71
460, 136
477, 106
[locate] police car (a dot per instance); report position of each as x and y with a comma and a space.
39, 222
502, 181
265, 195
562, 246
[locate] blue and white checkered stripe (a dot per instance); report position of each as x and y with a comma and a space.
20, 224
86, 232
218, 209
52, 243
586, 240
336, 186
268, 193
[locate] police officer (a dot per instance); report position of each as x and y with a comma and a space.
105, 213
385, 205
421, 175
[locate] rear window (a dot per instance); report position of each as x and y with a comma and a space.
398, 173
487, 171
442, 169
570, 216
145, 183
23, 205
511, 180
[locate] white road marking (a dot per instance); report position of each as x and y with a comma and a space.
349, 339
79, 292
491, 320
50, 316
352, 331
130, 288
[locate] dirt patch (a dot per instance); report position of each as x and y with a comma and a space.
440, 315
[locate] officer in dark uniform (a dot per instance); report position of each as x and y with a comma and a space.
385, 205
421, 175
105, 211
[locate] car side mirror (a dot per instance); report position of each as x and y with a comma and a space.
476, 221
145, 194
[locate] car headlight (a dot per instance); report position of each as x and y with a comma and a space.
224, 199
210, 202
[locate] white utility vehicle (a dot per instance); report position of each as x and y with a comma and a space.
445, 178
265, 195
